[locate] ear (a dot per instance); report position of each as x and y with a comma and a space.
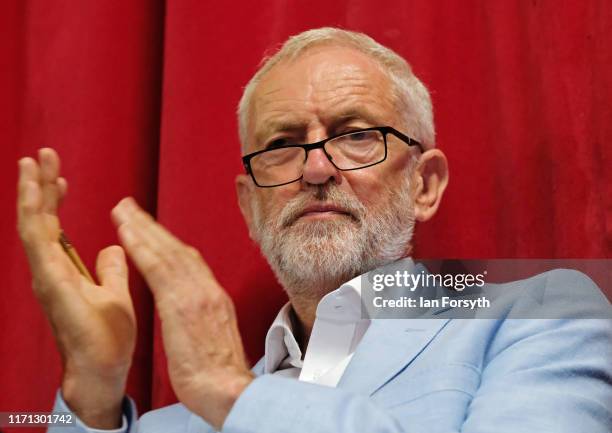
244, 190
431, 178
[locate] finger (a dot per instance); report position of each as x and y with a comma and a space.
28, 169
62, 184
49, 172
158, 255
143, 250
28, 174
151, 266
128, 211
111, 268
154, 235
165, 245
49, 164
33, 226
29, 200
39, 236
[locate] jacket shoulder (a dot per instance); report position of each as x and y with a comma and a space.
555, 294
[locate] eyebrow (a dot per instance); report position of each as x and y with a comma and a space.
337, 119
271, 127
353, 113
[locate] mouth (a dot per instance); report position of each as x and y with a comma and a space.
323, 211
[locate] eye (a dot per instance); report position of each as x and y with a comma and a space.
359, 136
354, 129
278, 142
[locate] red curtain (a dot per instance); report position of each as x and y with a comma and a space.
139, 98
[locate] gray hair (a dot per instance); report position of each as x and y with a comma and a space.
410, 94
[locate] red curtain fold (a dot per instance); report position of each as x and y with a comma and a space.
139, 98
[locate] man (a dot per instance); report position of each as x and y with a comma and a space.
323, 214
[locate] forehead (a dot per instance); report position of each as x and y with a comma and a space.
323, 86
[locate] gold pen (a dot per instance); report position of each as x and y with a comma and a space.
74, 256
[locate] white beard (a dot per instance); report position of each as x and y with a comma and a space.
312, 257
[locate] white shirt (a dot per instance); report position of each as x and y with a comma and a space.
338, 329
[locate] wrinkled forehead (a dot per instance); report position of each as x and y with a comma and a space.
324, 84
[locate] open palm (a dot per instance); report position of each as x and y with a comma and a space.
94, 325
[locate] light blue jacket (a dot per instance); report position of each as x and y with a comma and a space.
441, 375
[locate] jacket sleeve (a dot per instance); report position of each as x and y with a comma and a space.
274, 404
128, 419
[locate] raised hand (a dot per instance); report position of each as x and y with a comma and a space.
94, 325
206, 362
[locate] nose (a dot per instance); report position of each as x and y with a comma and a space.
318, 169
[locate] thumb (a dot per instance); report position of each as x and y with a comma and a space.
112, 269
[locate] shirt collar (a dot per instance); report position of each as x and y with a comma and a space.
281, 343
342, 305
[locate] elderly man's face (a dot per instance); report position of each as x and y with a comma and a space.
332, 224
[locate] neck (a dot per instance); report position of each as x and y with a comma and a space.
302, 321
304, 311
305, 296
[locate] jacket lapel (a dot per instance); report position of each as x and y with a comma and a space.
387, 348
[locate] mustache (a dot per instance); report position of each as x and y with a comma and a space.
321, 195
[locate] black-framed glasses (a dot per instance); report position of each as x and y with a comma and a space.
352, 150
